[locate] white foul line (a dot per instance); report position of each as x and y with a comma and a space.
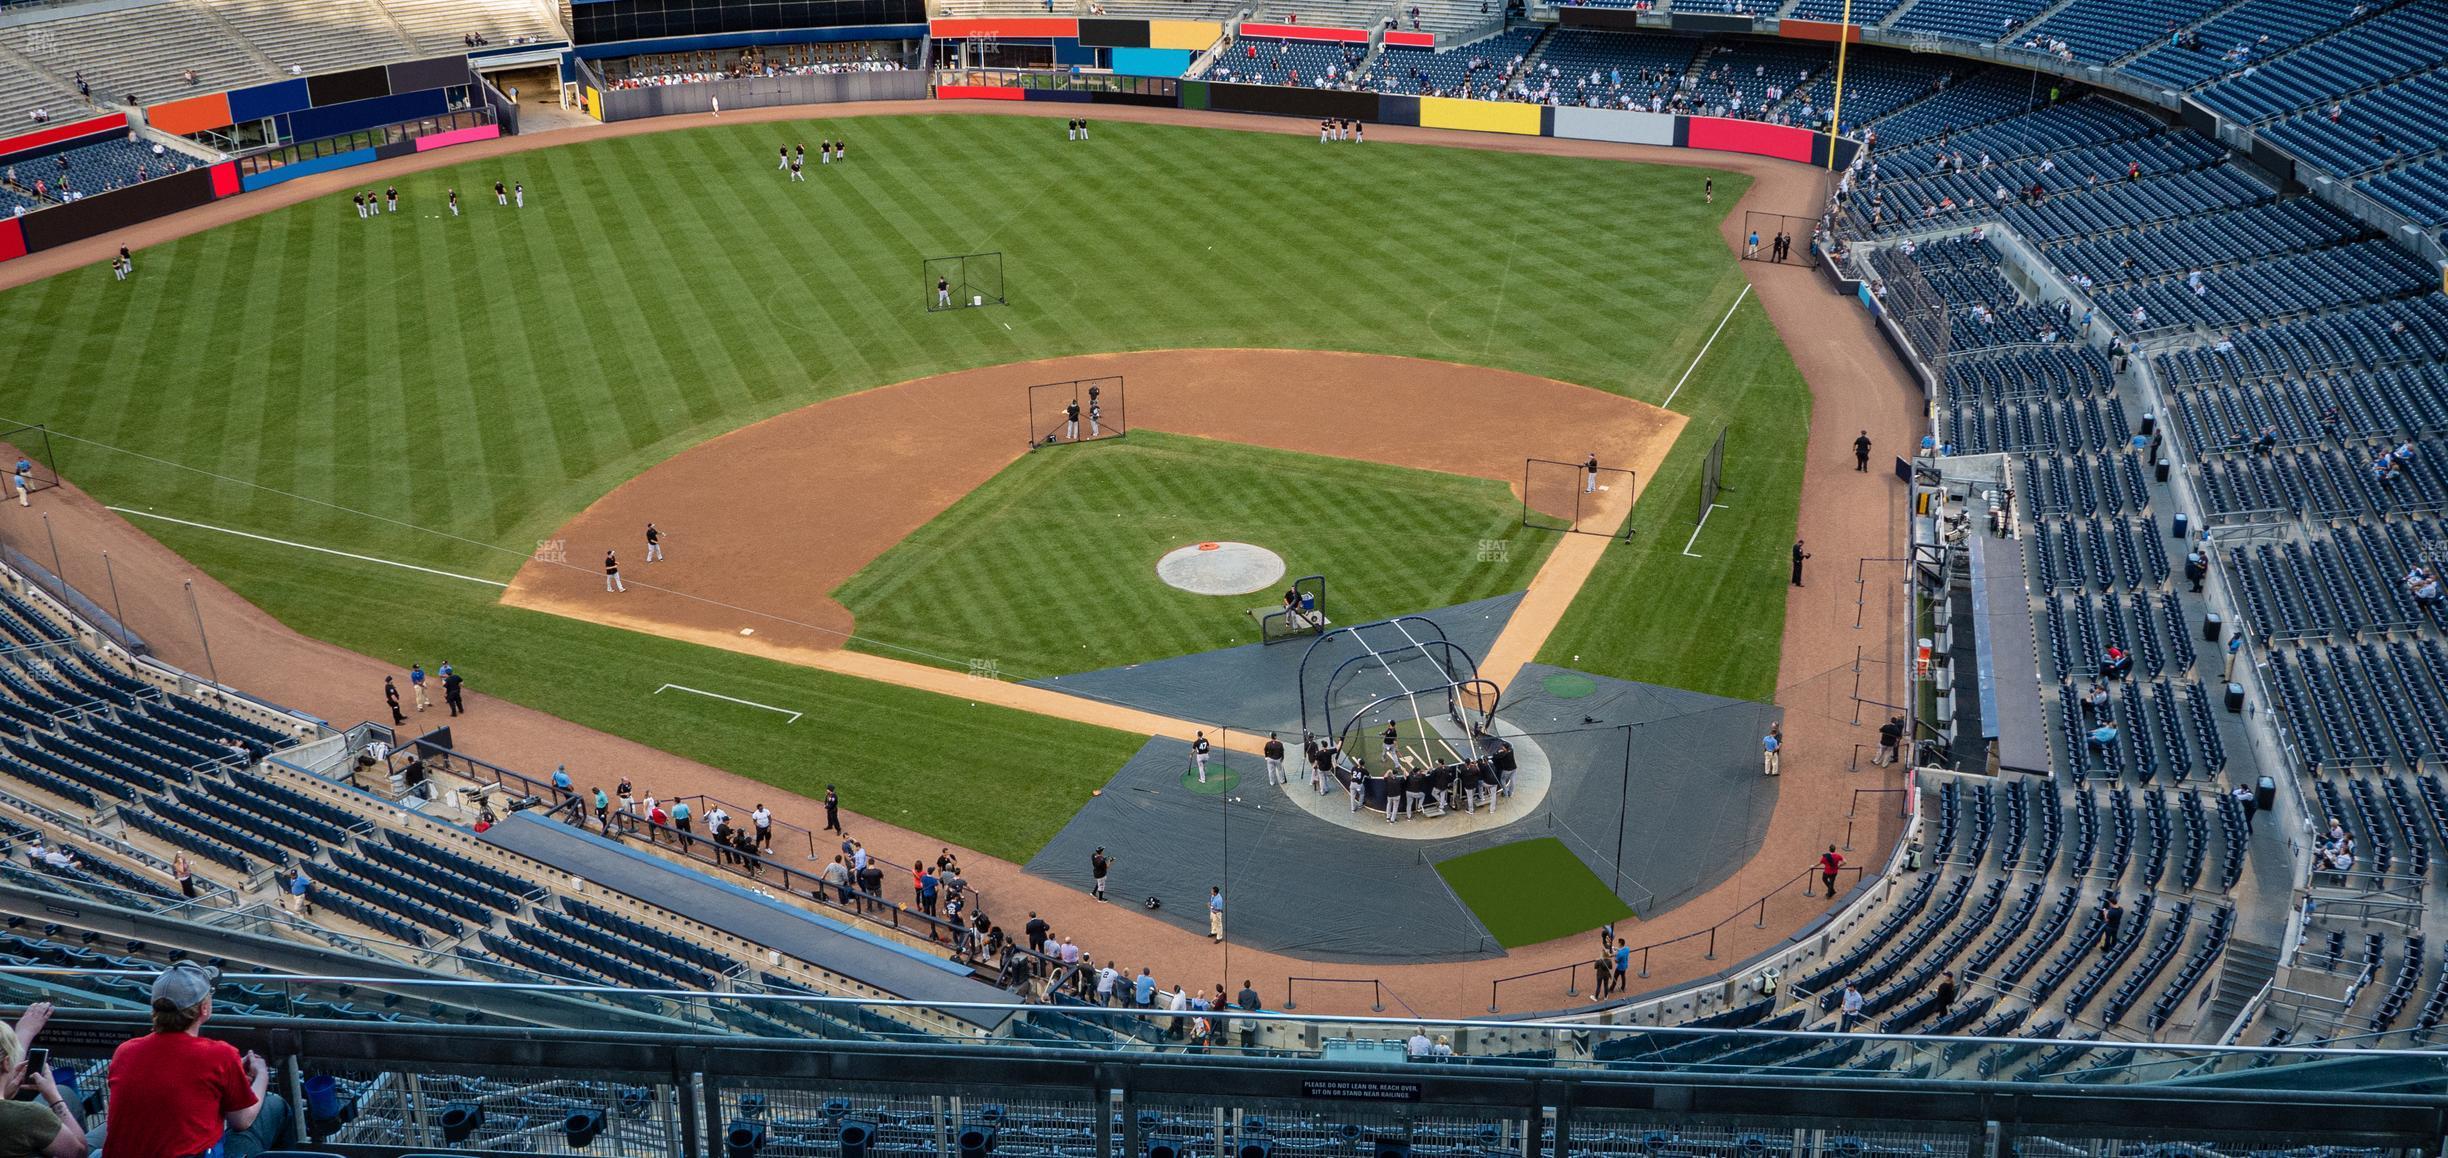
794, 716
1687, 545
309, 547
1704, 346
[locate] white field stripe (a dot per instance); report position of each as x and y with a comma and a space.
1704, 346
309, 547
794, 716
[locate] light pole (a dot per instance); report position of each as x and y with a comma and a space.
198, 609
118, 612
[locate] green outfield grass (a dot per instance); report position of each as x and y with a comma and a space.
1531, 892
447, 391
1644, 614
1050, 568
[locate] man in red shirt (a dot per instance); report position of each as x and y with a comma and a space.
1829, 864
177, 1094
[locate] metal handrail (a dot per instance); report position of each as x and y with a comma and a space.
1760, 907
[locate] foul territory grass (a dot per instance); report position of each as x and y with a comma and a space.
906, 757
447, 391
1050, 568
1531, 892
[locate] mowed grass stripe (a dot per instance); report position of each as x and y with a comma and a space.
656, 298
1049, 568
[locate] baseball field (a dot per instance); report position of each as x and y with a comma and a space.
450, 393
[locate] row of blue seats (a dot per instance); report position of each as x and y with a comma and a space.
2340, 585
2363, 405
1892, 958
2085, 484
2098, 31
2279, 286
2095, 424
2406, 39
2368, 130
2061, 370
1419, 71
1302, 63
383, 889
1876, 84
2138, 980
2196, 967
2320, 482
664, 969
2419, 190
2172, 248
1829, 979
2408, 332
2241, 37
660, 940
2070, 554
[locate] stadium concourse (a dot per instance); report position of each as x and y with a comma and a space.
1830, 342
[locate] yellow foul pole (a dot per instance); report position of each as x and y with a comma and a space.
1844, 39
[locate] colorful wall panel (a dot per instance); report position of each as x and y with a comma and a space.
435, 72
58, 133
979, 92
119, 208
432, 141
271, 177
1305, 32
1114, 33
1827, 30
224, 179
353, 84
1733, 136
1005, 27
332, 120
12, 239
1195, 35
1152, 61
1481, 116
1411, 39
1629, 128
193, 115
268, 100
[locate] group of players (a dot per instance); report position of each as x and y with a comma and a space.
1408, 786
1335, 129
793, 159
371, 204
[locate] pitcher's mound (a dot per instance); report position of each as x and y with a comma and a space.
1221, 568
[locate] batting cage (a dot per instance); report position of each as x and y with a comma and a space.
1081, 410
1301, 615
30, 445
1712, 477
962, 280
1564, 496
1402, 673
1768, 227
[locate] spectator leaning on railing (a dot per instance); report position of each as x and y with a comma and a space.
178, 1094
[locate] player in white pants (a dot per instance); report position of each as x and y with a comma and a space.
654, 544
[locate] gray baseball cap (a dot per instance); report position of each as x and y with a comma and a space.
185, 985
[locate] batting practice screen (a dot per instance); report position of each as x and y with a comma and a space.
963, 280
1563, 496
1712, 476
1083, 410
31, 444
1766, 226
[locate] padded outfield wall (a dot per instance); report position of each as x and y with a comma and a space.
1719, 134
763, 92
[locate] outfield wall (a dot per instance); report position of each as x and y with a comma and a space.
629, 104
1719, 134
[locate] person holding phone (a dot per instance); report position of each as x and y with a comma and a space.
48, 1126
